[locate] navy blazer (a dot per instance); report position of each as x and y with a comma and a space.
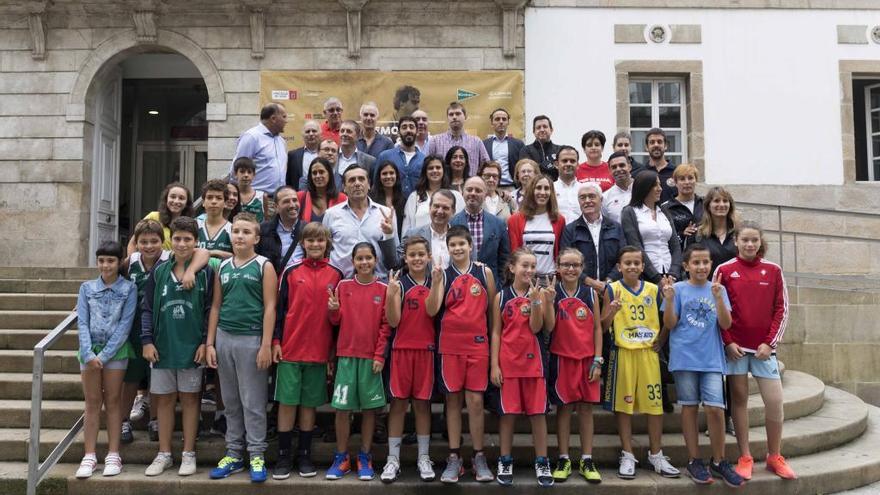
514, 146
611, 239
294, 167
496, 244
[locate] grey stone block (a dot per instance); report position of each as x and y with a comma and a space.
629, 33
686, 33
852, 35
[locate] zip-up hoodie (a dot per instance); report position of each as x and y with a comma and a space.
758, 301
363, 328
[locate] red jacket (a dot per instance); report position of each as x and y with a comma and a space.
516, 226
363, 328
302, 324
758, 302
305, 204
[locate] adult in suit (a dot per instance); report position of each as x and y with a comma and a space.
348, 153
298, 160
502, 148
442, 206
489, 233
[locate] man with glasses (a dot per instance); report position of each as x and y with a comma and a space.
489, 233
328, 150
332, 119
596, 237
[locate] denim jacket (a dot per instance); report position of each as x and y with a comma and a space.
104, 316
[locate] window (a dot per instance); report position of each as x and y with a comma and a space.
659, 103
866, 116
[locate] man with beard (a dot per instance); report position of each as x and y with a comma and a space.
567, 185
332, 119
655, 143
348, 153
406, 156
618, 195
298, 160
280, 235
456, 115
542, 150
370, 142
489, 233
503, 148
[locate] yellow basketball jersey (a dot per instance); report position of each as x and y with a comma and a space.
637, 323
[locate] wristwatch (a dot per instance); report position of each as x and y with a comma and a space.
599, 359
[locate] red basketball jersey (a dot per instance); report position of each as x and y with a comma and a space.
463, 324
416, 329
520, 353
572, 336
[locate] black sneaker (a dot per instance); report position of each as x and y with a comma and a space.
543, 472
219, 426
127, 436
409, 439
209, 397
153, 428
697, 471
282, 467
726, 472
728, 427
306, 467
504, 473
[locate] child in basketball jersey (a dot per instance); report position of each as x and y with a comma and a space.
633, 382
105, 309
302, 347
358, 307
240, 328
695, 311
411, 369
520, 311
250, 199
173, 329
463, 291
575, 363
215, 231
759, 302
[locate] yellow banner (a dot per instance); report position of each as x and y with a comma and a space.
397, 93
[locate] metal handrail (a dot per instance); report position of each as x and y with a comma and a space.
36, 469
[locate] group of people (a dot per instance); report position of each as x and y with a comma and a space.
491, 274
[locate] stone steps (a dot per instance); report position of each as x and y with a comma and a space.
26, 339
51, 286
35, 319
35, 302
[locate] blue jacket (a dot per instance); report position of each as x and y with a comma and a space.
409, 174
611, 239
104, 317
496, 244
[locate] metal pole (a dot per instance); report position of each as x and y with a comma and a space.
36, 407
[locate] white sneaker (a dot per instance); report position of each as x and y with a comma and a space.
139, 408
187, 464
162, 462
112, 464
426, 468
87, 466
662, 466
391, 470
627, 469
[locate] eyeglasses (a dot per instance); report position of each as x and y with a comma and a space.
329, 150
570, 266
333, 110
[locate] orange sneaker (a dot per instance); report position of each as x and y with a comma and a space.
744, 467
776, 464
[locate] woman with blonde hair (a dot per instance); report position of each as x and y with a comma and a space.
686, 208
717, 229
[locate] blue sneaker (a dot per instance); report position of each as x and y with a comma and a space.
696, 469
258, 469
726, 472
340, 467
227, 466
365, 466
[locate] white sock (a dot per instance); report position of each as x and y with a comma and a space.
563, 456
424, 444
586, 456
394, 446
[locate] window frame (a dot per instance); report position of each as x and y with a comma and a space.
655, 107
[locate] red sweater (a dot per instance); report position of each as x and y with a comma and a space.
363, 328
600, 175
516, 226
758, 302
302, 325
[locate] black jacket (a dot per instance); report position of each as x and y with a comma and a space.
514, 149
682, 216
270, 242
544, 154
630, 225
720, 252
294, 167
667, 183
611, 239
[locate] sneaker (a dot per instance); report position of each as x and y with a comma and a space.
726, 472
282, 467
744, 467
219, 427
139, 408
340, 467
454, 469
426, 468
776, 464
187, 464
563, 469
697, 471
482, 473
127, 436
505, 470
162, 462
365, 467
258, 469
112, 465
306, 467
410, 439
227, 466
589, 472
87, 467
627, 468
542, 472
209, 397
153, 429
391, 470
662, 466
728, 427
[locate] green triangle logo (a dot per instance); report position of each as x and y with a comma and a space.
464, 94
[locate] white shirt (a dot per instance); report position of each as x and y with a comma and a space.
499, 153
613, 201
655, 237
595, 232
347, 229
539, 237
438, 248
491, 203
343, 163
308, 157
417, 213
689, 205
567, 199
409, 156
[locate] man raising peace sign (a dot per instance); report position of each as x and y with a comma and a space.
360, 219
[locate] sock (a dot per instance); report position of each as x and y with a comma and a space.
424, 444
541, 460
506, 459
394, 446
563, 456
305, 443
94, 457
285, 439
165, 454
586, 456
455, 452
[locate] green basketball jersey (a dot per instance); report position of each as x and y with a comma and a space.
242, 286
255, 206
222, 240
139, 274
178, 317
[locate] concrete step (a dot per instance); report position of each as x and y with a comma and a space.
22, 361
844, 467
52, 286
26, 339
52, 273
32, 319
62, 386
61, 302
842, 418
